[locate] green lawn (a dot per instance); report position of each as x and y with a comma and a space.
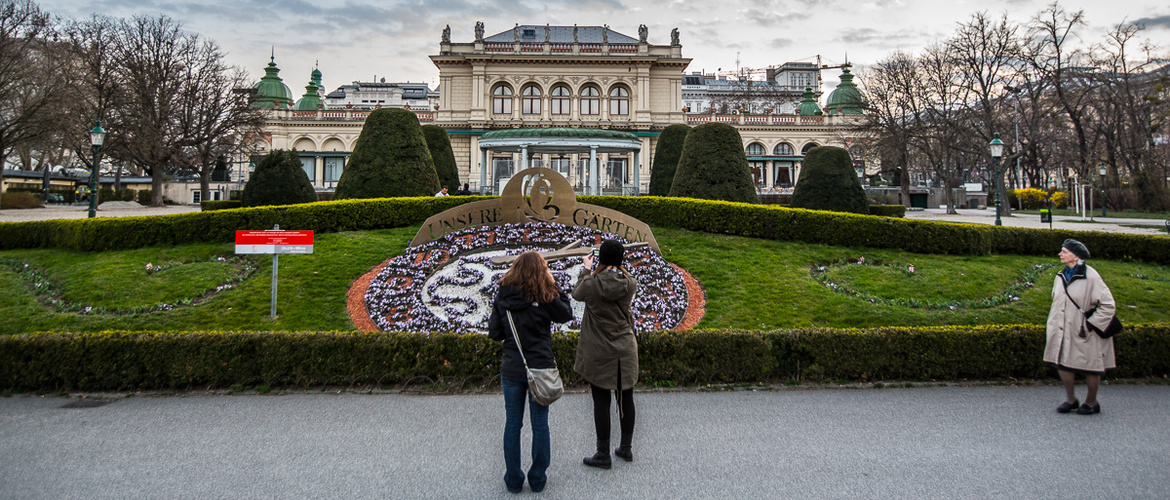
750, 284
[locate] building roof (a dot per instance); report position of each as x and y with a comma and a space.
847, 98
311, 101
271, 92
560, 34
808, 104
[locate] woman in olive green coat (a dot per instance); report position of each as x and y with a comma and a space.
607, 351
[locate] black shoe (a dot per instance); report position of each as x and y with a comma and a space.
1085, 409
624, 453
1066, 407
600, 460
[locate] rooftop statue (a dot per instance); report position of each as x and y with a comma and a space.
479, 31
446, 34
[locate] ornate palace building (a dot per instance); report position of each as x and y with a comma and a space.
587, 101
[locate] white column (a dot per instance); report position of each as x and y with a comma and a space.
483, 166
523, 157
637, 174
594, 172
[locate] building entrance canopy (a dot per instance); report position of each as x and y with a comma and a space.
561, 141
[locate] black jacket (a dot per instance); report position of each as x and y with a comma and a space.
534, 322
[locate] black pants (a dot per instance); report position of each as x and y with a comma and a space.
601, 402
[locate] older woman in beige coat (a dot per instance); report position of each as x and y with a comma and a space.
607, 352
1080, 298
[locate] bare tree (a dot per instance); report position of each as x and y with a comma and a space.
31, 76
150, 55
891, 86
215, 116
1128, 115
100, 92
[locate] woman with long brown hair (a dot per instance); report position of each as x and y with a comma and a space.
530, 293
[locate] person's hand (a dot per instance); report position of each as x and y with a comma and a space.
588, 261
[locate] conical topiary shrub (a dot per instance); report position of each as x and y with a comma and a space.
828, 182
390, 159
666, 154
439, 143
279, 179
713, 166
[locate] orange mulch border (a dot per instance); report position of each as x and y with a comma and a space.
696, 301
355, 300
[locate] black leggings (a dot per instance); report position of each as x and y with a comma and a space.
601, 401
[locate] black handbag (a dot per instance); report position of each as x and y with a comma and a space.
1110, 330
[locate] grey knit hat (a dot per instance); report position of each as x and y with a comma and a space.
1077, 248
611, 253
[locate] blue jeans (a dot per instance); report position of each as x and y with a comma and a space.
515, 392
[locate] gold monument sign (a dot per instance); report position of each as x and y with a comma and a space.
535, 195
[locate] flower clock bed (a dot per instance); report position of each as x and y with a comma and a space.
449, 284
837, 276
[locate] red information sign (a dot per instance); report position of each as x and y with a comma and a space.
274, 242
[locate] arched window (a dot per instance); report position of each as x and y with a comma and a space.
530, 104
755, 149
561, 103
502, 100
804, 150
783, 149
619, 101
590, 101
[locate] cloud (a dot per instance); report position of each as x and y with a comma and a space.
1156, 22
780, 43
771, 18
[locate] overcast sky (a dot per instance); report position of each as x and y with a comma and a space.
360, 39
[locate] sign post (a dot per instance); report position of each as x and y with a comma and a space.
274, 241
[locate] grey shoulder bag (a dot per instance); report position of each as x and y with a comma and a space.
544, 383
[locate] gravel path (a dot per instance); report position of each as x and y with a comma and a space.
110, 209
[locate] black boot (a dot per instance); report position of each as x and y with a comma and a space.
600, 459
623, 451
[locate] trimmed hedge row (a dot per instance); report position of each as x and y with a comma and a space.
109, 233
156, 360
888, 210
843, 229
208, 206
741, 219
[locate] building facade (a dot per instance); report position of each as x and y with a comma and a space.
561, 79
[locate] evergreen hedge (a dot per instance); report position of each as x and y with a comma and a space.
666, 155
754, 221
390, 159
279, 179
209, 205
828, 182
713, 166
200, 360
888, 210
439, 144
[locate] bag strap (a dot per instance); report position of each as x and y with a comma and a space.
516, 335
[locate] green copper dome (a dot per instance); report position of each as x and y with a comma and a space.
271, 92
847, 98
808, 104
316, 77
311, 100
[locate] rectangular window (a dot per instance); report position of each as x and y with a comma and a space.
333, 167
502, 105
309, 165
196, 196
619, 106
590, 106
560, 106
531, 106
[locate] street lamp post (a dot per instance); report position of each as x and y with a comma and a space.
97, 136
997, 152
1102, 169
